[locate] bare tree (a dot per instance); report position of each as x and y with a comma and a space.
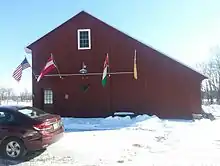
2, 94
211, 69
25, 95
204, 68
215, 74
8, 94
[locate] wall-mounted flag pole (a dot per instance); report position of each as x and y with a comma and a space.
32, 70
56, 66
17, 74
135, 64
27, 50
105, 71
50, 65
109, 73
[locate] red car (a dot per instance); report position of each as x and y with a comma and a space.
24, 129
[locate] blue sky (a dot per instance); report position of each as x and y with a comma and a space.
184, 30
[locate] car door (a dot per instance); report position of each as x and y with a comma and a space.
9, 125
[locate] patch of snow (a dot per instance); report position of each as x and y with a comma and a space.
213, 109
116, 122
143, 117
142, 140
165, 143
10, 102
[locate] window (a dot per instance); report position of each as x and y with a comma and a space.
48, 96
84, 39
6, 118
32, 112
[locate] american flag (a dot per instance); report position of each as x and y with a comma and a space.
18, 72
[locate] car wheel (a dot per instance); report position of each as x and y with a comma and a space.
13, 148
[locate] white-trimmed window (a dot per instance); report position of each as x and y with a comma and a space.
84, 39
48, 96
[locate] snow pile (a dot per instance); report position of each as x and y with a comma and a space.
143, 117
141, 122
109, 123
147, 123
152, 140
213, 109
116, 122
80, 124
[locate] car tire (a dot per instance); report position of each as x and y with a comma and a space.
13, 148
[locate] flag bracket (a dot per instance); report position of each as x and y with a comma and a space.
87, 74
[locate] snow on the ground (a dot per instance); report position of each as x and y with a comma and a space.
10, 102
214, 109
149, 142
109, 123
144, 140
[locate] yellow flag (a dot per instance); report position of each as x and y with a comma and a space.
135, 65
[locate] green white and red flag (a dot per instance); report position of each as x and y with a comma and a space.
105, 71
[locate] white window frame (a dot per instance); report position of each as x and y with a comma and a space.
48, 100
78, 38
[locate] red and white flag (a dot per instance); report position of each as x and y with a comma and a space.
50, 65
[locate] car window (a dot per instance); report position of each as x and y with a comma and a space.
32, 112
6, 118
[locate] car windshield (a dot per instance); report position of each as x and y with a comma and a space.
32, 112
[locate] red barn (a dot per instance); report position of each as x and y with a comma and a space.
164, 87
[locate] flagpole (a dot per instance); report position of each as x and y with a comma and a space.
110, 86
135, 64
56, 66
108, 66
88, 74
31, 69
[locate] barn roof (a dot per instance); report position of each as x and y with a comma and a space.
138, 40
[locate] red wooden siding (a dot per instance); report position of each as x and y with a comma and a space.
164, 87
